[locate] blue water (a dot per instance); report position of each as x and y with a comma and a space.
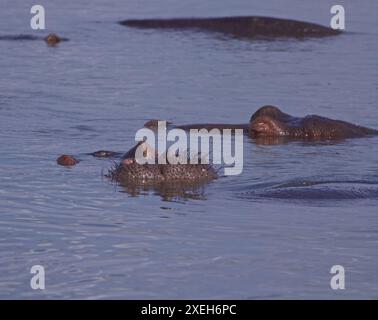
272, 232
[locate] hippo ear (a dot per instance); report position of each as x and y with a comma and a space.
153, 124
270, 111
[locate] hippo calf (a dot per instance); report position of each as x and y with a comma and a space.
51, 39
128, 170
69, 160
239, 27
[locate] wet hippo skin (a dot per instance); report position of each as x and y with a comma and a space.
270, 123
240, 27
67, 160
131, 171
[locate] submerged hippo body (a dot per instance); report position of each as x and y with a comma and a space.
51, 39
241, 27
270, 122
67, 160
133, 172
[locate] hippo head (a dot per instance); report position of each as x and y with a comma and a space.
52, 39
153, 124
268, 121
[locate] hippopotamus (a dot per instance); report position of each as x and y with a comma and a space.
268, 122
51, 39
182, 181
251, 27
129, 170
69, 160
271, 122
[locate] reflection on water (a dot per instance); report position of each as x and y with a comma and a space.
167, 191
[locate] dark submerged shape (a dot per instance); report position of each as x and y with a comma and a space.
51, 39
316, 191
18, 37
104, 154
240, 27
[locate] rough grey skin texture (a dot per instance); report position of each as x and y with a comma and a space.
156, 173
269, 125
239, 27
130, 171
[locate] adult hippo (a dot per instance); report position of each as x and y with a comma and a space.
240, 27
130, 171
271, 122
